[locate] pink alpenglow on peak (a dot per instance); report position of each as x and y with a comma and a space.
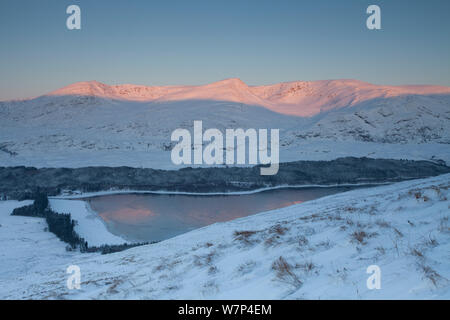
298, 98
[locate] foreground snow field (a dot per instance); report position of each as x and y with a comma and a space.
26, 247
314, 250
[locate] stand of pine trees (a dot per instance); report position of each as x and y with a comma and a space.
62, 225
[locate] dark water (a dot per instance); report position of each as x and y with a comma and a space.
153, 217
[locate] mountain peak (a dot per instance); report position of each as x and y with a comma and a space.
83, 88
230, 81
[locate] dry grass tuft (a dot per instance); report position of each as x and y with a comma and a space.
278, 229
359, 236
245, 236
431, 275
275, 233
381, 250
382, 223
398, 232
416, 252
431, 241
212, 270
302, 241
205, 260
306, 267
284, 272
246, 267
313, 217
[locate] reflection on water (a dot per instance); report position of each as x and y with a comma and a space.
153, 217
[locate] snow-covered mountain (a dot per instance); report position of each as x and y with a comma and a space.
90, 123
319, 249
300, 98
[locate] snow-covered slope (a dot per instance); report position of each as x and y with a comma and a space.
27, 246
89, 225
319, 249
90, 123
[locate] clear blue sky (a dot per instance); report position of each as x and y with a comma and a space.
194, 42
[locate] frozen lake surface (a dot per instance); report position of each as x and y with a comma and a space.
155, 217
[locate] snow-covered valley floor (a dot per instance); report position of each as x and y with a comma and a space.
315, 250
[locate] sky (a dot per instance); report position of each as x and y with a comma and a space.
197, 42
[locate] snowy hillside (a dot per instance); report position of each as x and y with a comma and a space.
90, 123
89, 225
318, 249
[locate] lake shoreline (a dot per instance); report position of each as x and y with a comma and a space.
90, 195
144, 217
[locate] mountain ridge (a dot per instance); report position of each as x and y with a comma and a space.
298, 98
132, 125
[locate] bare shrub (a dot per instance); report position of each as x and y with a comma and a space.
398, 232
245, 236
373, 210
382, 223
395, 245
431, 275
342, 273
324, 244
212, 270
172, 288
431, 242
416, 252
112, 289
272, 241
204, 260
360, 225
275, 233
165, 264
278, 229
359, 236
336, 217
210, 287
284, 272
302, 241
159, 267
306, 267
313, 217
380, 250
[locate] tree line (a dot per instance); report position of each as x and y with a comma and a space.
63, 226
